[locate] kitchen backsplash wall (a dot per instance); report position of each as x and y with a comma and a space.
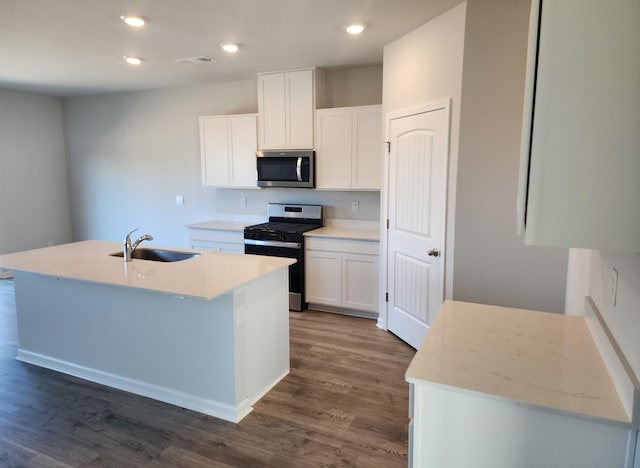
590, 275
336, 204
130, 154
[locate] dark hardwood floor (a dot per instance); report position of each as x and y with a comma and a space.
343, 404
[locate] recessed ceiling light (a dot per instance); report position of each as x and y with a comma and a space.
230, 48
135, 21
355, 28
132, 60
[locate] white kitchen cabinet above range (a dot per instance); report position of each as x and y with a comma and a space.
580, 161
286, 104
228, 145
349, 148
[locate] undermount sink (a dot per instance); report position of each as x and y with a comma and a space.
158, 255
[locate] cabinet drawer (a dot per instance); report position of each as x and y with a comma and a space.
343, 245
236, 237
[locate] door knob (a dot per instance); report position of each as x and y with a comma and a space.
433, 253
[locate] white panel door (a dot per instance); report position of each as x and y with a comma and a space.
417, 208
323, 281
214, 151
272, 111
300, 108
243, 137
333, 146
367, 148
360, 281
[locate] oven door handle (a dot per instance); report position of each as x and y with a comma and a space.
299, 169
263, 243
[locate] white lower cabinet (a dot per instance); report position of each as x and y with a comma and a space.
491, 432
217, 240
342, 273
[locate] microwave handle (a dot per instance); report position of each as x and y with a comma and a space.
299, 169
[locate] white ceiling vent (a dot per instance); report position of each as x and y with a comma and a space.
196, 60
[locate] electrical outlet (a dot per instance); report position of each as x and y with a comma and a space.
613, 287
243, 202
179, 199
355, 206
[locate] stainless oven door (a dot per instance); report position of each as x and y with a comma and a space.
296, 271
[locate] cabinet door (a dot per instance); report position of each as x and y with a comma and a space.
230, 247
333, 145
360, 281
214, 151
300, 108
367, 148
204, 245
271, 111
243, 138
580, 166
322, 271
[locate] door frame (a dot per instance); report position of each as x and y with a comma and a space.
447, 248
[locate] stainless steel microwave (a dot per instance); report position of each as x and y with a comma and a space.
292, 168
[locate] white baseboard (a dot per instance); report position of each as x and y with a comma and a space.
167, 395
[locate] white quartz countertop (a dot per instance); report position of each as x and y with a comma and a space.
348, 229
543, 359
206, 276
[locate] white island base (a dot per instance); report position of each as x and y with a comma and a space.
216, 356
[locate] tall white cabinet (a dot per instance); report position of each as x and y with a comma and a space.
286, 104
228, 145
580, 162
349, 148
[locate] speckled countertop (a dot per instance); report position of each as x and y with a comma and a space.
209, 275
537, 358
348, 229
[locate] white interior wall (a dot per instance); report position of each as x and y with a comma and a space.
34, 201
492, 264
424, 66
357, 86
130, 154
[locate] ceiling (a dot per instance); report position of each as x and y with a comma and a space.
75, 47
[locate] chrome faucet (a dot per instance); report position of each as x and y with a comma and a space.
129, 248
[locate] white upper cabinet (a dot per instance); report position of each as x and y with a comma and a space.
286, 103
228, 145
349, 148
580, 165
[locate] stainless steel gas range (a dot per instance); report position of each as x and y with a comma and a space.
283, 236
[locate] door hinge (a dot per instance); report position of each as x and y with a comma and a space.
386, 297
388, 143
387, 223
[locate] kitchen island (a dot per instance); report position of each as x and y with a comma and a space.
210, 333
